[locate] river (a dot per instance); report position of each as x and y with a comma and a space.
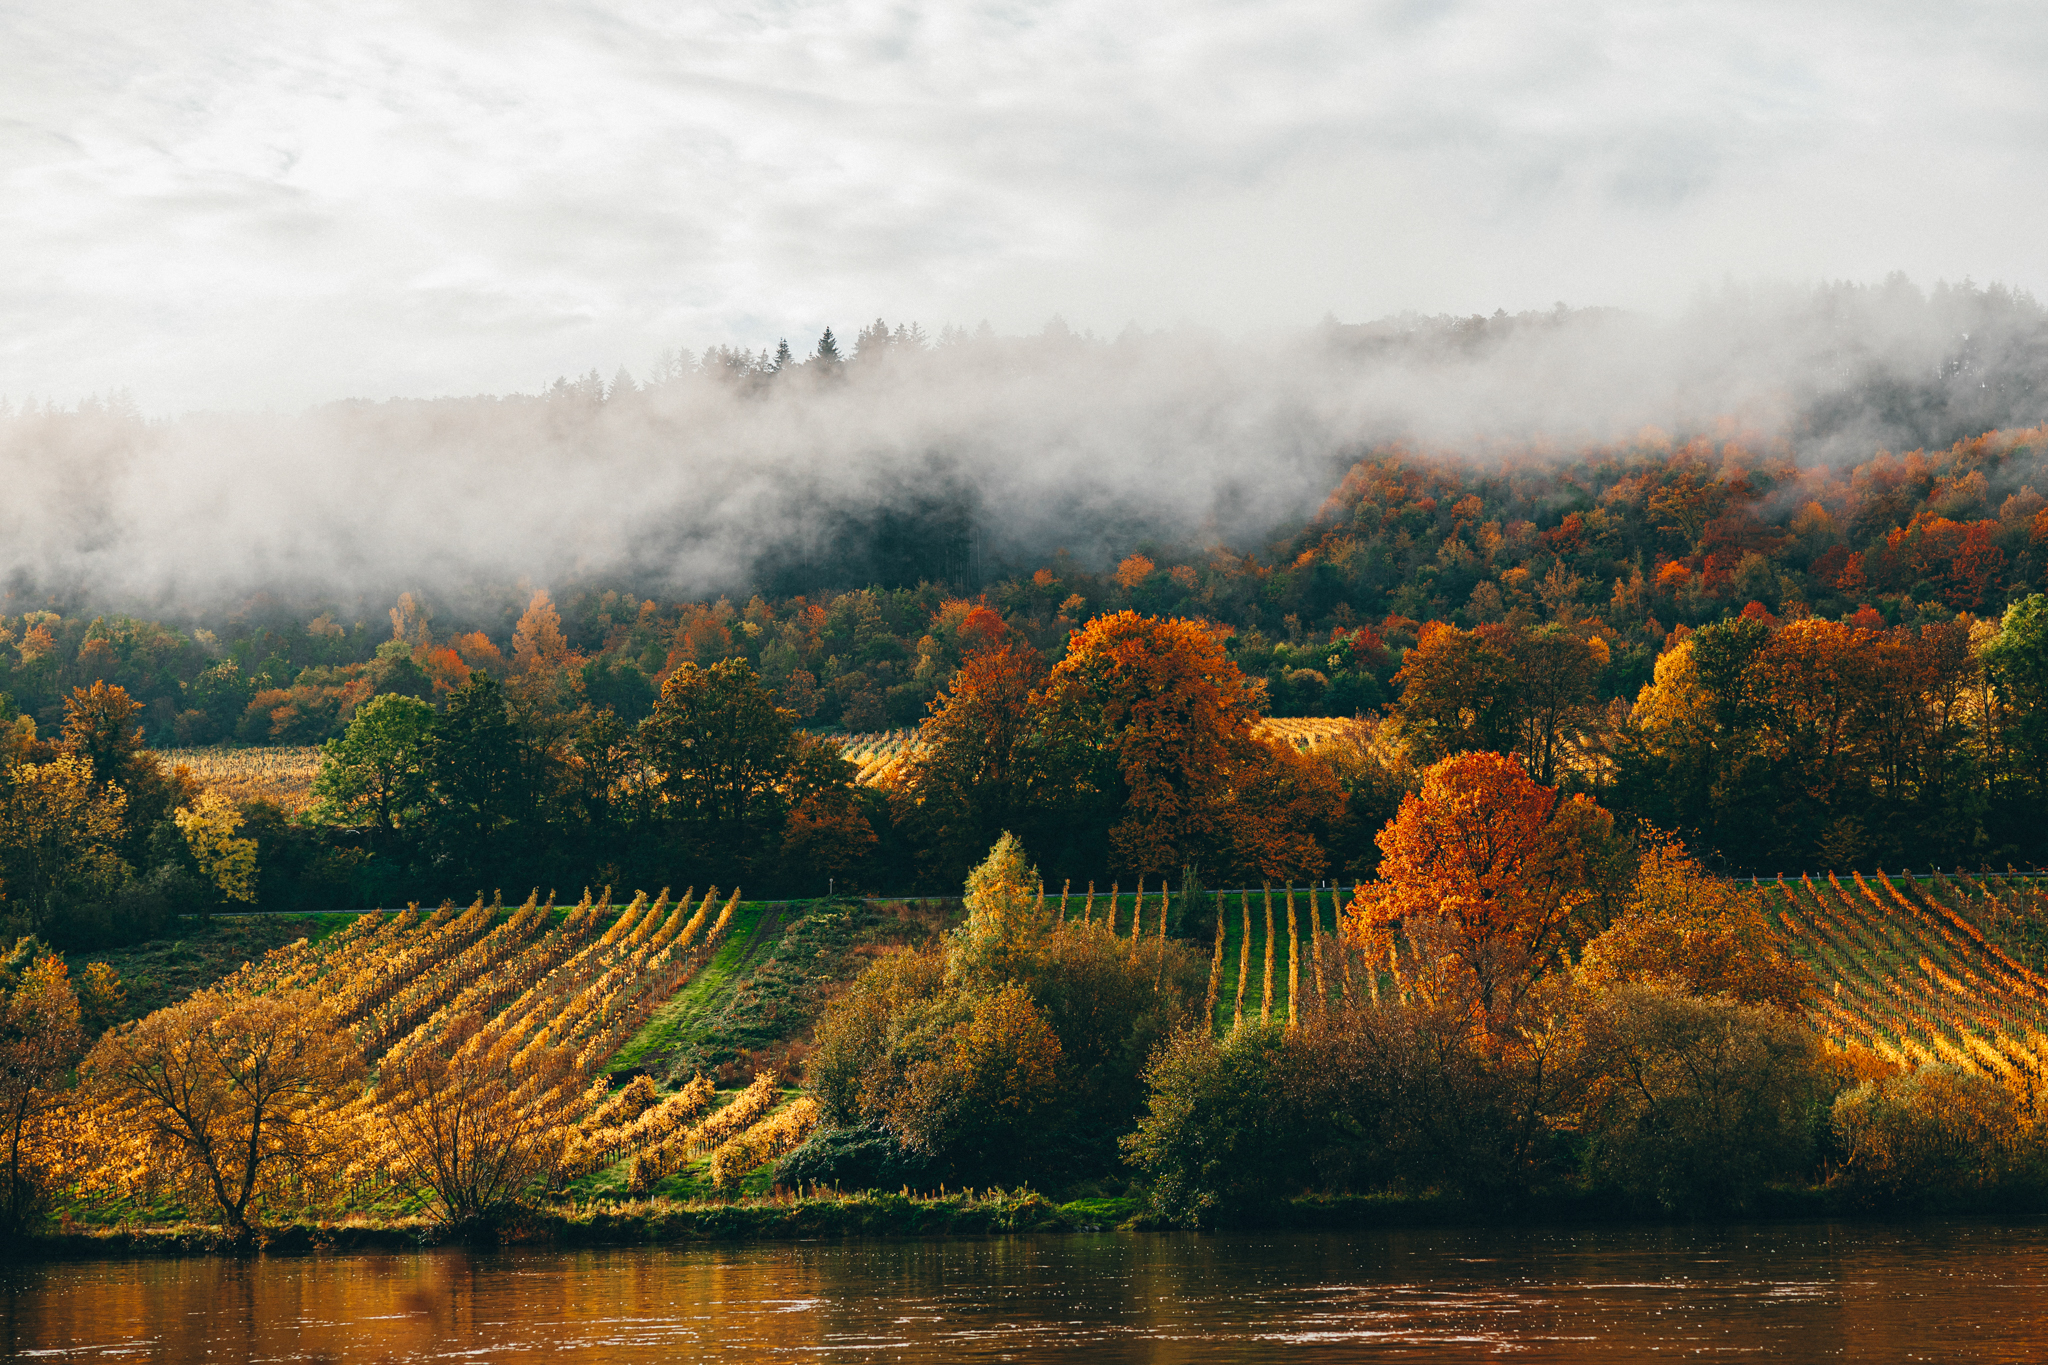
1931, 1290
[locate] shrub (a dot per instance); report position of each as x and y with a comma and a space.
1694, 1105
1216, 1139
1932, 1136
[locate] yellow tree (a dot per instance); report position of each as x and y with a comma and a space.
232, 1099
40, 1041
209, 825
1495, 867
1699, 934
58, 830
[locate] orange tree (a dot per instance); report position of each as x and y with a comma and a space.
978, 770
1147, 717
1492, 870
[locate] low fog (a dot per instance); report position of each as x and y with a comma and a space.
955, 459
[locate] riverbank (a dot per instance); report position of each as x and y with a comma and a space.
827, 1214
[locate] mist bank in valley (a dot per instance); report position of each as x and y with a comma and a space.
955, 459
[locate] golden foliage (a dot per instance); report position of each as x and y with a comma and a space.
283, 775
234, 1100
780, 1132
209, 826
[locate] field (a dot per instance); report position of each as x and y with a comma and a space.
283, 775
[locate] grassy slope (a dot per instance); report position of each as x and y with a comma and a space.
164, 971
678, 1021
761, 991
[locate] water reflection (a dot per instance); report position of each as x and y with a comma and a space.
1801, 1292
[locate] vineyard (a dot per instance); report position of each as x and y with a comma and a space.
1921, 972
283, 775
1910, 971
879, 756
529, 1006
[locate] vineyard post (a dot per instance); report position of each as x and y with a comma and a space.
1315, 948
1344, 948
1266, 1000
1244, 953
1293, 962
1165, 909
1216, 967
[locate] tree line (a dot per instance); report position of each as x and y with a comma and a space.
1769, 745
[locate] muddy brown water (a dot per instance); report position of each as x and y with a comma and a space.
1952, 1290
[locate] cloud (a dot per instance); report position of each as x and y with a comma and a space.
234, 204
964, 459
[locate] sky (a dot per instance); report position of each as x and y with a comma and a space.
230, 205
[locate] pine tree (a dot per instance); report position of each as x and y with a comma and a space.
828, 349
783, 359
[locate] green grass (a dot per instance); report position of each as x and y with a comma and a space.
675, 1021
1254, 985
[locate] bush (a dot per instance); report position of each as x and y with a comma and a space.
864, 1157
1931, 1137
1217, 1139
1014, 1050
1695, 1105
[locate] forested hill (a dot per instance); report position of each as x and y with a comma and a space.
1624, 544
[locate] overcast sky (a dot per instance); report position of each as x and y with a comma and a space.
237, 204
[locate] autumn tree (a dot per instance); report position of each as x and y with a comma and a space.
1012, 1049
235, 1097
1151, 712
476, 1119
1460, 692
59, 839
978, 767
1492, 870
1698, 934
41, 1039
1287, 805
545, 681
1499, 689
210, 826
100, 730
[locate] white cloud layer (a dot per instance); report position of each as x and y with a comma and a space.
232, 203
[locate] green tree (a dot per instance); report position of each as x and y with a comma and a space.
2016, 660
474, 775
1216, 1138
721, 751
375, 772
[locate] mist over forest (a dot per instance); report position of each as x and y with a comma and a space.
954, 458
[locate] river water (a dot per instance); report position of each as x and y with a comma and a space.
1861, 1291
